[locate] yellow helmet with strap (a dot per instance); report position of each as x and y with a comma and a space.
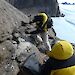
45, 17
61, 50
44, 20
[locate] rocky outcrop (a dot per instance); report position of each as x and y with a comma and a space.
10, 18
16, 48
51, 7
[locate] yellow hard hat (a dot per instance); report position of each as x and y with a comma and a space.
44, 15
61, 50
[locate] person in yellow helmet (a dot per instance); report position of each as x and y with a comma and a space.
61, 60
41, 28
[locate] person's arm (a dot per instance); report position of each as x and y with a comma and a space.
36, 19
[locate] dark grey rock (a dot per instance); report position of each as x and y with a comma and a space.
13, 54
8, 67
51, 7
10, 18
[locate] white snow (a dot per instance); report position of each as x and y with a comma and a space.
70, 1
65, 26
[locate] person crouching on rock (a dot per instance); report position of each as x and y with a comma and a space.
61, 60
41, 28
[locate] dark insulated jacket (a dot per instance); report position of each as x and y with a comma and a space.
59, 67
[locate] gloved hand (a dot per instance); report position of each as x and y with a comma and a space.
47, 52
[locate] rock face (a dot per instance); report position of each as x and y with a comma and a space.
15, 46
10, 18
18, 50
51, 7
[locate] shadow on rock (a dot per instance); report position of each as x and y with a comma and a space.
24, 71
